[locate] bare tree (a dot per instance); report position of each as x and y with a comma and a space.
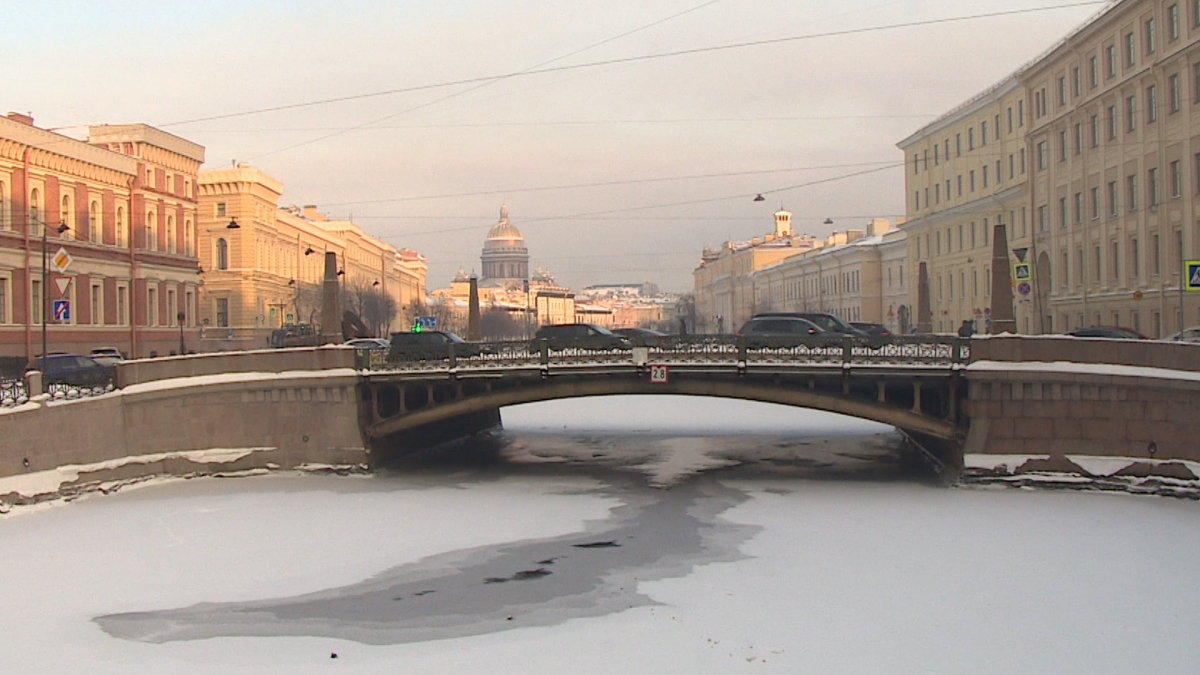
497, 324
373, 307
307, 302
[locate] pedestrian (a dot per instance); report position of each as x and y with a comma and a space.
967, 329
682, 326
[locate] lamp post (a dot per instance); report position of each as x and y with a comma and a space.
62, 227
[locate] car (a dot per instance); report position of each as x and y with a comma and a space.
641, 336
107, 356
1112, 332
429, 343
828, 322
73, 369
1185, 335
875, 330
777, 331
578, 336
369, 343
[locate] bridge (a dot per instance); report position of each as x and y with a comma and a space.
1011, 408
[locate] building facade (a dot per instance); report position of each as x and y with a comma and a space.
126, 195
264, 264
1090, 155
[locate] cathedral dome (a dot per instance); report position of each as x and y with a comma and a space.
504, 229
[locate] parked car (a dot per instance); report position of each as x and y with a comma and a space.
106, 356
1115, 332
778, 331
875, 330
828, 322
428, 344
641, 336
1185, 335
578, 336
369, 343
73, 369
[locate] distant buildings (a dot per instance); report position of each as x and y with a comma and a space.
126, 195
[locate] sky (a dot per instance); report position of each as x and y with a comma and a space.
619, 162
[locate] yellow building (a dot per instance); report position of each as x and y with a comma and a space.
724, 282
263, 264
965, 173
1090, 155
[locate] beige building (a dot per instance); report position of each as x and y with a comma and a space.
724, 280
263, 265
1091, 156
844, 276
966, 172
1115, 142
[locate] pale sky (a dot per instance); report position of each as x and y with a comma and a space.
615, 173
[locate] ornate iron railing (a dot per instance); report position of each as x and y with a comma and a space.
59, 391
702, 350
12, 392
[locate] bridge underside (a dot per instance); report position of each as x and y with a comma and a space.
406, 414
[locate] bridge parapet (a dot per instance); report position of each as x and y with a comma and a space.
1052, 348
259, 361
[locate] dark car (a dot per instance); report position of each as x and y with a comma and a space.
74, 370
875, 330
828, 322
777, 331
641, 336
429, 344
1115, 332
578, 336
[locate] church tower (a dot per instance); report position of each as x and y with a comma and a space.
505, 258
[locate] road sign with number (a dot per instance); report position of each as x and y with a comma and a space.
658, 374
62, 310
1193, 275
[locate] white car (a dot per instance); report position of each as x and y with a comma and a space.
1189, 335
107, 356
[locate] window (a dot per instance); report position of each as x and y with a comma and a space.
998, 174
1078, 207
1097, 274
122, 305
985, 175
1011, 165
1196, 81
1155, 254
958, 145
222, 254
170, 233
97, 304
220, 209
1149, 36
1065, 275
916, 164
1021, 113
5, 220
1062, 145
1112, 122
4, 313
1093, 73
997, 126
35, 215
1095, 203
1078, 138
1022, 154
1151, 104
1135, 266
958, 178
222, 312
94, 223
1152, 186
983, 132
1008, 113
971, 139
188, 237
120, 229
936, 147
1130, 110
1041, 156
1042, 218
1062, 212
1195, 13
1062, 90
1095, 131
1075, 82
172, 307
1130, 50
1110, 61
1173, 23
1112, 198
937, 193
1131, 193
1116, 260
1173, 92
152, 307
1176, 179
151, 232
36, 301
972, 180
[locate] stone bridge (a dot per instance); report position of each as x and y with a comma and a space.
999, 408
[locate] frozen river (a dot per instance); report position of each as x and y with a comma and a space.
625, 535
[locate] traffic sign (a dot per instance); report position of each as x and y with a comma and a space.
63, 283
658, 374
62, 310
1022, 271
61, 260
1024, 288
1193, 275
427, 322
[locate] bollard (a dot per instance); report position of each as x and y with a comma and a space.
33, 384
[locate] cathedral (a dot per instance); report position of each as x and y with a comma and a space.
505, 258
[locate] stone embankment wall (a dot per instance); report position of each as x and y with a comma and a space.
184, 415
1120, 410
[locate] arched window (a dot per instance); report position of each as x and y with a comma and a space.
170, 247
35, 212
187, 238
64, 217
5, 222
120, 233
94, 223
151, 232
222, 254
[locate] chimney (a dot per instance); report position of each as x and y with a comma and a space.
310, 212
20, 117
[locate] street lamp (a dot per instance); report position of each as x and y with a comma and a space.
233, 225
62, 227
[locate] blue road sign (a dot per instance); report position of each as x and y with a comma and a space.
427, 322
1192, 283
62, 310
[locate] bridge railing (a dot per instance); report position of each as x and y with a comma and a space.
698, 350
12, 392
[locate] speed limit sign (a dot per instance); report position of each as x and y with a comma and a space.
658, 374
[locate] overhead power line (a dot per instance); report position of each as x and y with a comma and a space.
643, 57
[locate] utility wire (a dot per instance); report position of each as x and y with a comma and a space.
643, 57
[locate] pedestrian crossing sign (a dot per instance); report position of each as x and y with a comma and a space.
1022, 272
1192, 283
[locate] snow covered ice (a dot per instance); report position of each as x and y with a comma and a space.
650, 536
